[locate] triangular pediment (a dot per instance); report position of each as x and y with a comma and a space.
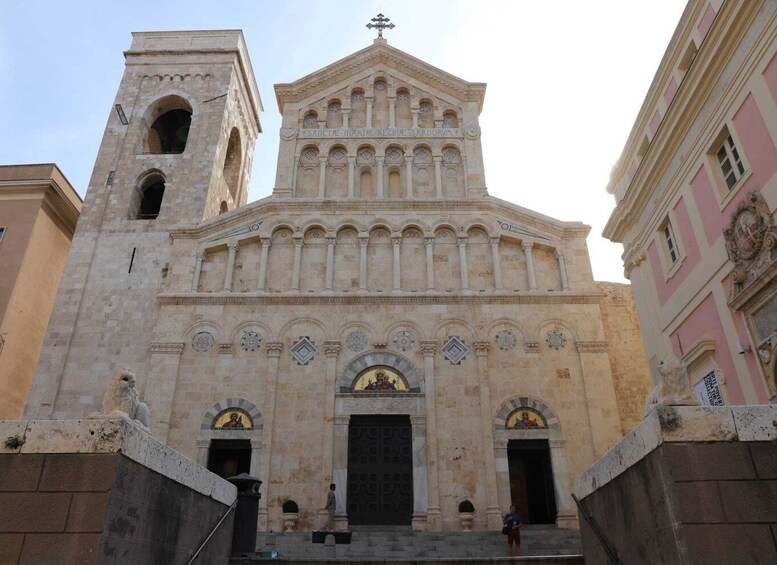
379, 54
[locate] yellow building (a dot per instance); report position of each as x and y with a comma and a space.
38, 214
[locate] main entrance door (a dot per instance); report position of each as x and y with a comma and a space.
531, 480
380, 470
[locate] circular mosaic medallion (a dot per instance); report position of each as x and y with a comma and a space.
356, 341
394, 155
380, 86
556, 339
425, 108
311, 120
202, 341
310, 155
251, 341
422, 155
450, 155
449, 121
404, 340
358, 97
365, 155
338, 155
506, 340
402, 97
334, 108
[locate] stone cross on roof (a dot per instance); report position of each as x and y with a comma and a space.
382, 22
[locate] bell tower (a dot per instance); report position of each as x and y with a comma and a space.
176, 151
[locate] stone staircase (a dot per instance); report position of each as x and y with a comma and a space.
540, 544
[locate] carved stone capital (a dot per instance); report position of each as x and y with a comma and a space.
481, 348
331, 241
265, 241
416, 421
556, 442
592, 346
461, 241
274, 348
233, 246
331, 348
494, 241
201, 255
428, 241
500, 444
427, 348
342, 420
379, 344
363, 241
171, 347
299, 242
527, 246
203, 443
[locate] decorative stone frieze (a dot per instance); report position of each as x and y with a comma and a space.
592, 346
171, 347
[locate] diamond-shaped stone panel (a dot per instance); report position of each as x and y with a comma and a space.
455, 350
303, 350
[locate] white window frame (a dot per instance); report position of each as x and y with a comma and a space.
671, 264
2, 232
727, 142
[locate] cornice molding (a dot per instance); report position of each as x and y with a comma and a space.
232, 298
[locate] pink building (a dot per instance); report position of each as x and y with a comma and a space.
696, 198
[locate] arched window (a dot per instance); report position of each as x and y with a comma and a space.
224, 207
449, 119
169, 132
148, 197
232, 162
310, 121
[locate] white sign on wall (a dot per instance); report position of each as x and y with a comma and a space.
707, 390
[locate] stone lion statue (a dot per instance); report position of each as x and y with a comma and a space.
122, 399
673, 388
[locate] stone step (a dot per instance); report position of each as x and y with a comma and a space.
407, 546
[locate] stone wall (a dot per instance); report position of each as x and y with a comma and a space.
105, 492
628, 362
689, 485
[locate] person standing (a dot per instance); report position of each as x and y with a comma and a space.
512, 522
331, 504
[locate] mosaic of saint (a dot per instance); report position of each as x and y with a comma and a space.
525, 418
380, 379
233, 419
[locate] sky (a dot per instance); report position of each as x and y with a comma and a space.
566, 80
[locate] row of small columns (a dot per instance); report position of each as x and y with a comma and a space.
380, 160
396, 242
392, 100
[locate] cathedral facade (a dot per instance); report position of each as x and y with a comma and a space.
379, 321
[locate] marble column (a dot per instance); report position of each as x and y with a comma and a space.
197, 270
396, 243
409, 175
497, 264
203, 449
340, 470
493, 515
273, 350
256, 453
351, 174
330, 263
527, 247
414, 114
368, 117
565, 506
321, 176
262, 282
392, 104
420, 475
437, 177
331, 351
346, 117
502, 468
232, 247
562, 270
379, 173
463, 267
433, 514
429, 244
298, 244
363, 241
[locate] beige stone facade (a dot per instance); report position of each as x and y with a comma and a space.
379, 249
38, 214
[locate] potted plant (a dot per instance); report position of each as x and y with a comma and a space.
290, 515
466, 515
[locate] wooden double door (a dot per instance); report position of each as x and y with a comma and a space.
380, 471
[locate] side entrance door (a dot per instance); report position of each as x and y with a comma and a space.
380, 471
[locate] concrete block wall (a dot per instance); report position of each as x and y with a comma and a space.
689, 485
130, 500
